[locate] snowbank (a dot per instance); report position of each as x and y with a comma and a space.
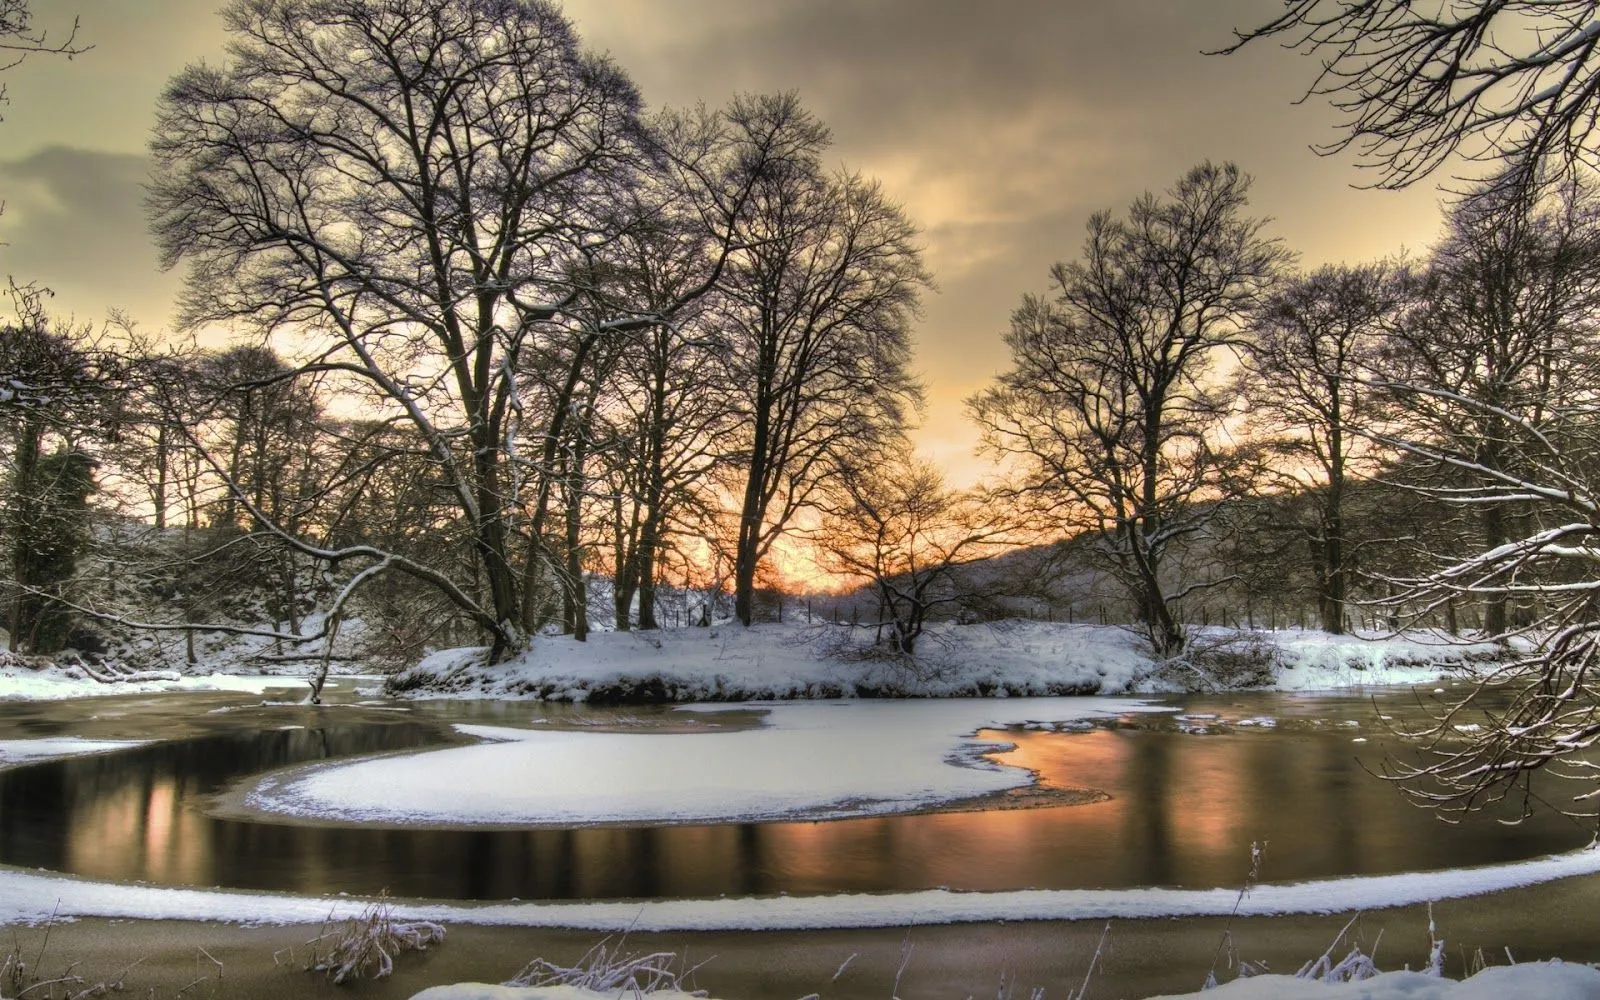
56, 682
1544, 980
16, 751
483, 991
1017, 658
154, 662
32, 897
1316, 661
808, 760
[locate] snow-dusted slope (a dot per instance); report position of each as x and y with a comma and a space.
1019, 658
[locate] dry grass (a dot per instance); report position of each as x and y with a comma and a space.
606, 968
21, 979
366, 946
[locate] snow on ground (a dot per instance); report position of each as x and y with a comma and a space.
20, 683
154, 662
733, 663
1310, 660
1545, 980
809, 759
1019, 658
16, 751
484, 991
32, 897
1542, 980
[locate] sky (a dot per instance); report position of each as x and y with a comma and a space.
1000, 126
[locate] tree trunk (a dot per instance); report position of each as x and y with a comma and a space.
1142, 568
160, 493
490, 543
744, 584
230, 500
752, 511
647, 574
577, 603
1334, 578
24, 491
624, 563
1494, 536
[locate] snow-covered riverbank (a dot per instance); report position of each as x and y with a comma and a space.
1545, 980
51, 683
1012, 658
38, 897
767, 662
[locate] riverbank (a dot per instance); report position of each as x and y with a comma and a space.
729, 662
1141, 958
1160, 943
1006, 659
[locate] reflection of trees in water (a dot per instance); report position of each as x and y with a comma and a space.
1149, 825
132, 814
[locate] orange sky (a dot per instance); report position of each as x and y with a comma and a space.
1000, 126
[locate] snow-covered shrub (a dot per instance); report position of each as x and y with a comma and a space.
1221, 661
366, 946
607, 969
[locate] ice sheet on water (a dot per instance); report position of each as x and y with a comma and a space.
837, 758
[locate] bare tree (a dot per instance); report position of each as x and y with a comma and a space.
412, 189
685, 222
674, 404
1496, 80
1495, 409
1538, 712
57, 393
1112, 408
1316, 339
818, 309
1503, 318
895, 523
19, 38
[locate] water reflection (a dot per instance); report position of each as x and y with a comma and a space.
1184, 811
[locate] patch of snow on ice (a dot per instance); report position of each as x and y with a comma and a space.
16, 751
838, 758
1258, 722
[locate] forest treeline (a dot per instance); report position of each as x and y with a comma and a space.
501, 330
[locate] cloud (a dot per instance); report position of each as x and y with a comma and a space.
1000, 126
74, 221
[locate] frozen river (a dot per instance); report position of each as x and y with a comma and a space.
1118, 797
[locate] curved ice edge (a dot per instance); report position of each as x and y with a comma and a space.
31, 897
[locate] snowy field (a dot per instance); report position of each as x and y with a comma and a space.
837, 759
1016, 658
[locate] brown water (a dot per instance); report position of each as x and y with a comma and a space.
1184, 808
